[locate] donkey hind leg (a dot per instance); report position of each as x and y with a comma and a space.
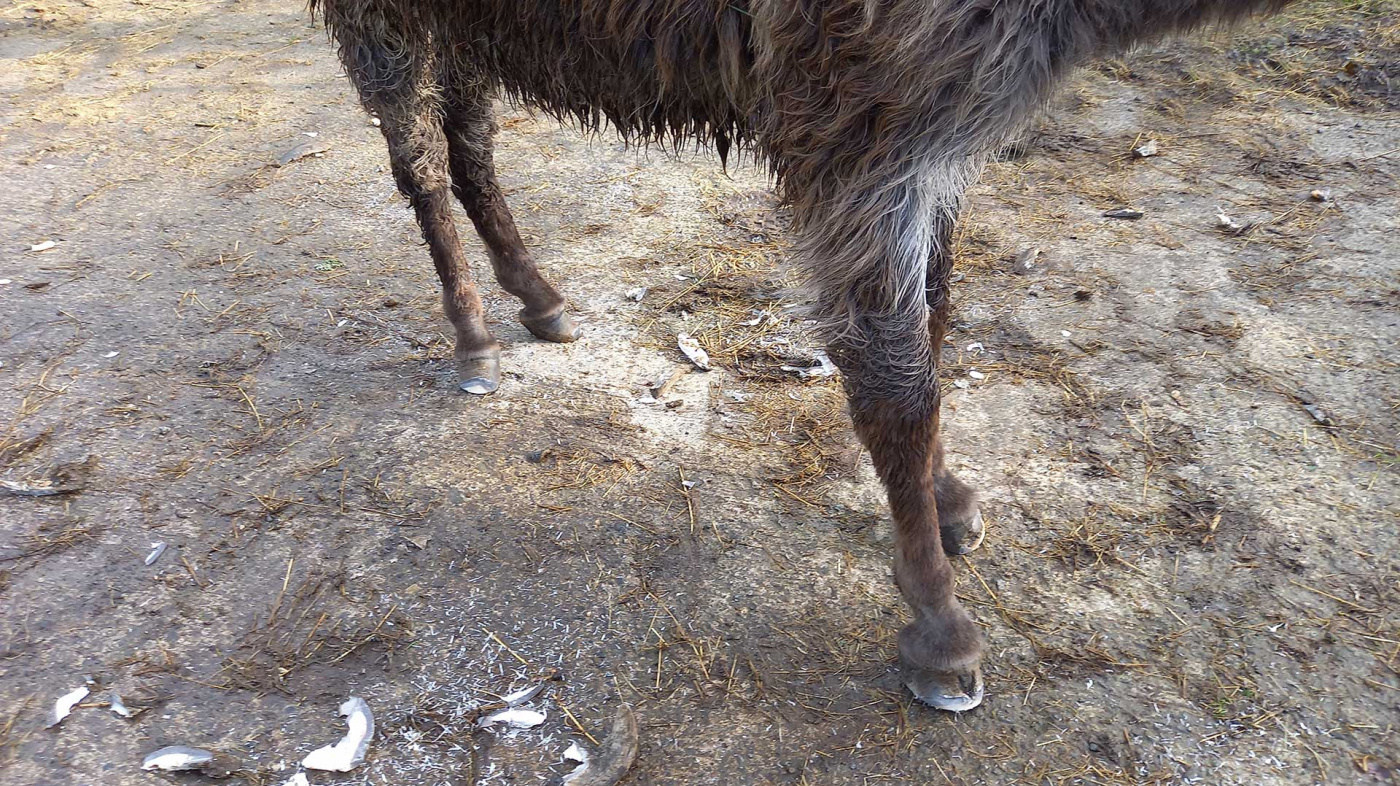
406, 101
471, 129
885, 348
959, 517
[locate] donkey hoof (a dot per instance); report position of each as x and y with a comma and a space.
939, 653
560, 328
964, 536
480, 375
944, 690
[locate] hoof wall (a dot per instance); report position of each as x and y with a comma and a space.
480, 375
964, 537
947, 691
560, 328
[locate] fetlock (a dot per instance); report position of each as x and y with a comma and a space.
944, 640
938, 658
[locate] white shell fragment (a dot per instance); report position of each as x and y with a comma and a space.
578, 754
611, 761
44, 488
349, 753
1026, 261
303, 150
1147, 150
65, 705
177, 758
1225, 222
637, 294
300, 778
575, 753
977, 375
763, 317
44, 246
516, 719
824, 367
693, 350
1318, 414
118, 706
157, 549
523, 695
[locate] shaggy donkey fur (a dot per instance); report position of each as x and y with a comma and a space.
873, 116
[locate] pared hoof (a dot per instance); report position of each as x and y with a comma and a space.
951, 691
963, 537
560, 328
480, 375
939, 655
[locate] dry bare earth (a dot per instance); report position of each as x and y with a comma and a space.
1190, 577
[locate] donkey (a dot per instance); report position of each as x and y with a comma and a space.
872, 115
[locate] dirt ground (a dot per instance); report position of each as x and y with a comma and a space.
1187, 435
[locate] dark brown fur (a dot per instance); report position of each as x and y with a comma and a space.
873, 116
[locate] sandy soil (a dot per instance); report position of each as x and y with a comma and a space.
1186, 435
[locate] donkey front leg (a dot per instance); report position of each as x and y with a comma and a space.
940, 650
471, 130
876, 258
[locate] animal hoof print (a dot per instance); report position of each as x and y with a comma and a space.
950, 691
964, 537
480, 376
560, 328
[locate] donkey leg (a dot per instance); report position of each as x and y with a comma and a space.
418, 158
959, 517
395, 79
898, 423
471, 129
